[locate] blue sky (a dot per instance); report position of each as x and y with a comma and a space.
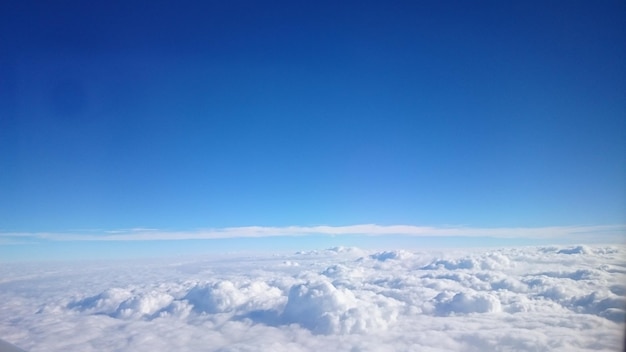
212, 115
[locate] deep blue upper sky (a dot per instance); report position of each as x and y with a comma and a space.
236, 113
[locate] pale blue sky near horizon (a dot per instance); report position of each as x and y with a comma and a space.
179, 116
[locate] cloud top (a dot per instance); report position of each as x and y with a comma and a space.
351, 299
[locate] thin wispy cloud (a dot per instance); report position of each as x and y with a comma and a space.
147, 234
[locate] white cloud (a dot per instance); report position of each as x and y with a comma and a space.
548, 298
141, 234
466, 302
324, 308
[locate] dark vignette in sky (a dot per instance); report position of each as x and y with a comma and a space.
235, 113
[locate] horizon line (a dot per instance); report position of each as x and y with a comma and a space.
148, 234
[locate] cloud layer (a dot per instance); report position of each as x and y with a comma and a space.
143, 234
540, 298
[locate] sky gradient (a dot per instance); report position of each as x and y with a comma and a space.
201, 115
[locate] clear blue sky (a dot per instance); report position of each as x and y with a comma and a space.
214, 114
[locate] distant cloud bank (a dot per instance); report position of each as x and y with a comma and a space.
581, 233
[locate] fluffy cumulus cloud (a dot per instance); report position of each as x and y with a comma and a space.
324, 308
540, 299
464, 303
